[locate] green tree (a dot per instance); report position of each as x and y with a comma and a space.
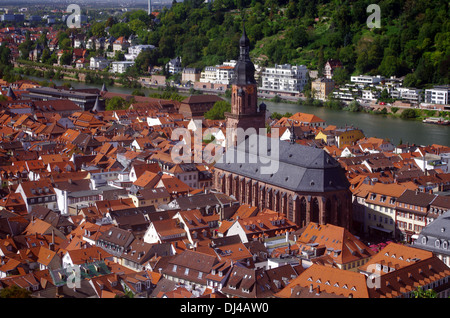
5, 55
66, 58
137, 92
98, 29
14, 291
420, 293
409, 114
218, 110
120, 29
389, 66
354, 107
341, 75
116, 103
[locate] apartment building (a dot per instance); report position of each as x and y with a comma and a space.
380, 216
366, 79
121, 66
219, 74
284, 79
322, 87
98, 63
406, 93
438, 95
412, 209
190, 75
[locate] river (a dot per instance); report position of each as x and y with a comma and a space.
381, 126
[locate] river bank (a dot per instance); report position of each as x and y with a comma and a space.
390, 127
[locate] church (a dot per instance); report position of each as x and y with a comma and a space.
308, 185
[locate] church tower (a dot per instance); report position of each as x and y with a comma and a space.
244, 97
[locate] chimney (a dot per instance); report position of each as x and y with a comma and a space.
311, 288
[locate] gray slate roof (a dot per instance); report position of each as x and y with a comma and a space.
300, 168
439, 229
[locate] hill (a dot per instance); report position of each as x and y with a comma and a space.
413, 40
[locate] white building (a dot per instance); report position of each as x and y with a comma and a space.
366, 79
370, 94
174, 66
135, 50
347, 93
209, 75
219, 74
437, 95
284, 79
406, 93
98, 63
432, 162
121, 66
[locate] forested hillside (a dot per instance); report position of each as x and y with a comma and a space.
414, 38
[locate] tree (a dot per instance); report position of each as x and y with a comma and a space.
98, 29
354, 107
15, 291
137, 92
120, 29
320, 62
409, 114
146, 59
389, 66
5, 55
66, 58
218, 110
65, 44
116, 103
420, 293
341, 76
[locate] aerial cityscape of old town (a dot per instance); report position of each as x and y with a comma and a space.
277, 149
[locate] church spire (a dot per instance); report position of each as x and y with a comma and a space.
244, 71
292, 137
10, 93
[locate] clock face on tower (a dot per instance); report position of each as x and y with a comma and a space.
250, 90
